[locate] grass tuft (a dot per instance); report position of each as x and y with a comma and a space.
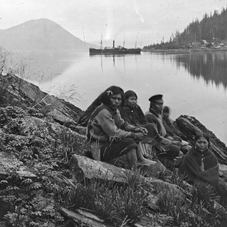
112, 202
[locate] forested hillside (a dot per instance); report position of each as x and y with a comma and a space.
210, 31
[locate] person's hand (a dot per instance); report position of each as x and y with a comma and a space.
141, 129
144, 130
138, 135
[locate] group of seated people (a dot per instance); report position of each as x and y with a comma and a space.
117, 126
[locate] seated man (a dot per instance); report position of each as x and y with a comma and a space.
169, 147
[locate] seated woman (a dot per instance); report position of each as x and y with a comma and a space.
131, 111
133, 114
200, 164
110, 136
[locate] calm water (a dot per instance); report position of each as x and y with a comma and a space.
192, 83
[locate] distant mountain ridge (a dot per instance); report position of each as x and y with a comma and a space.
40, 34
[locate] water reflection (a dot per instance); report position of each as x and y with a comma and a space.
43, 66
114, 57
211, 66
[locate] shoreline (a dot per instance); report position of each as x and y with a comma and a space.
183, 50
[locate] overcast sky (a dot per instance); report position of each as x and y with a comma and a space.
144, 21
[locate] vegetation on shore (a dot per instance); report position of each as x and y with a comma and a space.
209, 33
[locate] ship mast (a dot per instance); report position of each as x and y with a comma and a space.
101, 43
136, 40
83, 32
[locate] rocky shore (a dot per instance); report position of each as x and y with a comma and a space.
46, 179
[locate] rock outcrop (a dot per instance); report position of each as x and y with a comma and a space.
43, 164
17, 92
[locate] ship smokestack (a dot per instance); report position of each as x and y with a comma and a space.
113, 43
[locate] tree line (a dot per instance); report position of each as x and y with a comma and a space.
210, 30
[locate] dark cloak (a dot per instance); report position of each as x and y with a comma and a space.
191, 167
134, 116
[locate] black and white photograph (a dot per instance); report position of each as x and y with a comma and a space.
113, 113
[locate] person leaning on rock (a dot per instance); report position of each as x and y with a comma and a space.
169, 125
110, 136
173, 131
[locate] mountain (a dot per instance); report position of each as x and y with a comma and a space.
40, 34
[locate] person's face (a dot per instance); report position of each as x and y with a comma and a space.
165, 114
116, 101
131, 101
158, 106
201, 144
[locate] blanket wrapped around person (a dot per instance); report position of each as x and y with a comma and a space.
202, 167
198, 166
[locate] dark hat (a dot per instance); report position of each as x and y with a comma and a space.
156, 98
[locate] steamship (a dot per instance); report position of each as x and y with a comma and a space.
114, 50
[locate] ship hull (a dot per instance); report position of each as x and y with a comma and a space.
112, 51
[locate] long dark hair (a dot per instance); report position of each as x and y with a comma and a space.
129, 94
202, 134
102, 98
113, 90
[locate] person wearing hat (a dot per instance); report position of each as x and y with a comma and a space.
169, 148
